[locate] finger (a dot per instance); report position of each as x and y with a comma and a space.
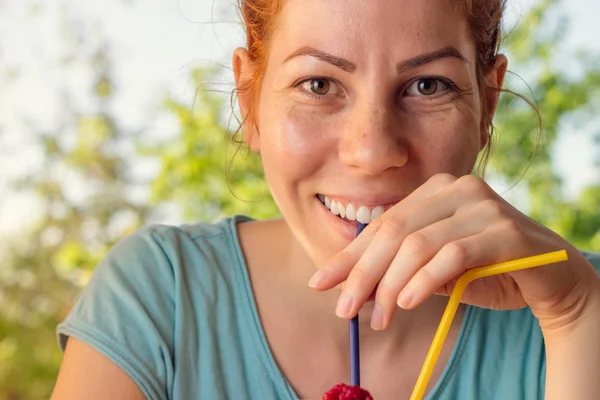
419, 247
337, 269
376, 259
451, 261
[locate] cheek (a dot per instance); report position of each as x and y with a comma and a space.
292, 142
447, 141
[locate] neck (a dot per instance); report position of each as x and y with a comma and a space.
406, 325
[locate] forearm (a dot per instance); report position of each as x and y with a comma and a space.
573, 354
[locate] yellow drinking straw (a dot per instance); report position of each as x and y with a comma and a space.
463, 281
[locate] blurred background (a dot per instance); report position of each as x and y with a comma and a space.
118, 113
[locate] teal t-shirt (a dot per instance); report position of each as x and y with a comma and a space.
174, 308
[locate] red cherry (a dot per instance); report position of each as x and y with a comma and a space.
341, 391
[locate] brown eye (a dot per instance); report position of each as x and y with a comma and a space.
320, 86
427, 87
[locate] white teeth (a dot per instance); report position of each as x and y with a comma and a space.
377, 211
334, 208
363, 215
342, 210
350, 212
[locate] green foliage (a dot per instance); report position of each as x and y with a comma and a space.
203, 169
82, 188
560, 97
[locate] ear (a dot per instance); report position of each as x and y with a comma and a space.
493, 83
243, 69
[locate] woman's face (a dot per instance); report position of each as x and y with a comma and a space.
361, 102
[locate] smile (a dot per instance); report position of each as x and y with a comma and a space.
351, 212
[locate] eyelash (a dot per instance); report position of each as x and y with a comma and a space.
451, 86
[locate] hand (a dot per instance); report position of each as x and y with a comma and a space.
421, 245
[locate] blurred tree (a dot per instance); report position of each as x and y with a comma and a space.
84, 186
562, 97
199, 171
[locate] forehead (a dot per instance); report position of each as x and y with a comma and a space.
373, 29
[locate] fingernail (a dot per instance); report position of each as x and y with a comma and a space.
317, 278
405, 299
344, 305
377, 318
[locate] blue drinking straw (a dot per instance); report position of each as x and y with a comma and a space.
354, 345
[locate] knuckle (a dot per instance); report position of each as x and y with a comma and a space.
386, 290
429, 276
471, 185
392, 226
456, 252
365, 273
361, 272
512, 227
344, 256
416, 242
341, 262
442, 179
493, 208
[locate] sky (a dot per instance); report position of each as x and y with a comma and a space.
155, 44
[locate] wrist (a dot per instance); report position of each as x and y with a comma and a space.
579, 313
573, 351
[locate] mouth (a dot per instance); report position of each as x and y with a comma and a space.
350, 212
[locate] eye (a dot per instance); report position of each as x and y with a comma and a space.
320, 86
427, 87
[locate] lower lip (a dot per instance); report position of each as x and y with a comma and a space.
347, 229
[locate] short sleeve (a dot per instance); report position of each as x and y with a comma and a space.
127, 309
594, 259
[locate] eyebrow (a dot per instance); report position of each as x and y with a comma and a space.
411, 63
321, 55
430, 57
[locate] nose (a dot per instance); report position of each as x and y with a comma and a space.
372, 141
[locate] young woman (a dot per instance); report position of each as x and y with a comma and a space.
374, 110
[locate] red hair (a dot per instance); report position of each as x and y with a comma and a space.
260, 19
